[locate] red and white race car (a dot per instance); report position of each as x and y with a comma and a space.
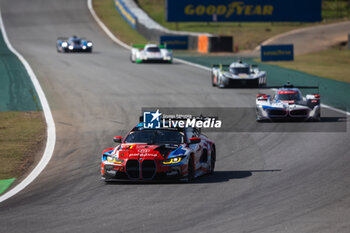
149, 154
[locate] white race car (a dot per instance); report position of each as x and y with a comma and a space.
288, 103
151, 53
238, 74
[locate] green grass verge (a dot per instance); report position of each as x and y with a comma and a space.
110, 16
246, 35
4, 184
333, 64
21, 135
335, 9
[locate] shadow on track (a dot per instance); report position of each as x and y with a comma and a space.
296, 120
333, 119
216, 177
224, 176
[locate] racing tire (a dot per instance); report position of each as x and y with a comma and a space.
212, 161
317, 119
191, 171
107, 182
259, 119
212, 80
221, 84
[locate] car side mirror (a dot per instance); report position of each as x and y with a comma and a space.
195, 140
117, 139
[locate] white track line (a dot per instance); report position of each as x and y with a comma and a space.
192, 64
51, 130
116, 40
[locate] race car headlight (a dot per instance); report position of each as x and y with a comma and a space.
71, 47
64, 44
89, 44
113, 159
172, 160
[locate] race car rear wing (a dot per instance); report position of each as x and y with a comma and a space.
289, 85
228, 65
220, 65
143, 46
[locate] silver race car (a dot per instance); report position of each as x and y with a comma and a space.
151, 53
288, 103
238, 74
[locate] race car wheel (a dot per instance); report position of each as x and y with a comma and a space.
212, 161
318, 118
221, 83
132, 60
259, 119
212, 80
190, 175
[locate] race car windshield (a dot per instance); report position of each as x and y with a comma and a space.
289, 96
153, 49
240, 70
157, 137
77, 42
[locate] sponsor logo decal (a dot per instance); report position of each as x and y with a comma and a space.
151, 120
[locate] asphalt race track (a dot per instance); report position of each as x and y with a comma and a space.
264, 182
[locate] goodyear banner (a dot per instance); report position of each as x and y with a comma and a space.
243, 10
175, 42
277, 52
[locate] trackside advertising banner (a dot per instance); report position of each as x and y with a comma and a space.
277, 52
243, 10
174, 42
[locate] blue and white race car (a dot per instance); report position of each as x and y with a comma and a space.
73, 44
288, 103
